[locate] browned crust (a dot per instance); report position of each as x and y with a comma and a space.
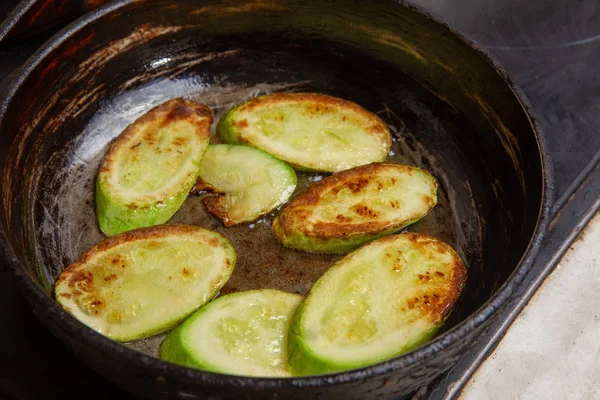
322, 103
173, 110
202, 186
355, 179
436, 302
74, 273
216, 206
457, 284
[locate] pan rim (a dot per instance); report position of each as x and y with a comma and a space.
13, 17
446, 340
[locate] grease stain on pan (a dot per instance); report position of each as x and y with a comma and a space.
140, 35
42, 8
68, 52
507, 139
444, 66
251, 6
388, 38
171, 67
86, 72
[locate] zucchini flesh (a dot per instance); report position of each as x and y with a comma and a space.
150, 168
350, 208
309, 131
238, 334
251, 182
378, 302
144, 282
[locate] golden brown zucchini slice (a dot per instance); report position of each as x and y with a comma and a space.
149, 169
346, 210
145, 281
308, 131
378, 302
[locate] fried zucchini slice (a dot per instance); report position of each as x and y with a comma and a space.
145, 281
149, 169
348, 209
253, 182
378, 302
309, 131
238, 334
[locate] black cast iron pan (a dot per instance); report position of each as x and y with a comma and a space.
451, 109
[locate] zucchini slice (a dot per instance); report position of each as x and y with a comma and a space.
309, 131
253, 182
150, 168
238, 334
146, 281
378, 302
346, 210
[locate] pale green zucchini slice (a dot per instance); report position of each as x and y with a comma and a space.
145, 281
308, 131
347, 209
378, 302
251, 182
238, 334
149, 169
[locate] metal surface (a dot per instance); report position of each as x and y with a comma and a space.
28, 17
583, 143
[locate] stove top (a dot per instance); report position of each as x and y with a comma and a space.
551, 48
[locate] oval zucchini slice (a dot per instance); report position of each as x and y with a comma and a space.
309, 131
253, 182
238, 334
146, 281
378, 302
348, 209
150, 168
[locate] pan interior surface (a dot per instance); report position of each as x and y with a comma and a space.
425, 131
449, 111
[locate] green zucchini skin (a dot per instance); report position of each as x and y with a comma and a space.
309, 131
115, 216
242, 333
149, 169
383, 300
350, 208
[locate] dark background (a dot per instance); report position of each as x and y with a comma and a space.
551, 48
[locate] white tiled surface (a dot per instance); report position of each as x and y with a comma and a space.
552, 350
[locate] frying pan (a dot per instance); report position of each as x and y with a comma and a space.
451, 109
